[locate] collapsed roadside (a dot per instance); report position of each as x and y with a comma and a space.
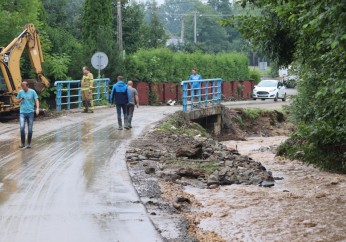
178, 154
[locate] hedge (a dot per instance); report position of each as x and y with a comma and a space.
164, 65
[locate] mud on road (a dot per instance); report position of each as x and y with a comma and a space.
305, 204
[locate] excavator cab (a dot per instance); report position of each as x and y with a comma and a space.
10, 74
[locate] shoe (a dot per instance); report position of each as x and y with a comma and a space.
21, 146
28, 146
85, 111
130, 127
126, 127
91, 111
120, 128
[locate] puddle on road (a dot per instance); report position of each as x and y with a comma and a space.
307, 205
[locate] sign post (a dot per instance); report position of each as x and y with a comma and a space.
99, 61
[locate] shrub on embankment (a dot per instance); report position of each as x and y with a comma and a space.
164, 65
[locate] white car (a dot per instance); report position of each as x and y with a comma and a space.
269, 89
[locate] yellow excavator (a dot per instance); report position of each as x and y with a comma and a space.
10, 75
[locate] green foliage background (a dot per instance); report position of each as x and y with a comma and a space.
311, 36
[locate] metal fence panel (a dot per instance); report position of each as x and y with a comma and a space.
69, 92
207, 94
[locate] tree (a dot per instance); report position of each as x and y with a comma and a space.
133, 23
172, 12
154, 34
211, 36
311, 34
98, 33
14, 15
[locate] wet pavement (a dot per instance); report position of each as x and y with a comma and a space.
73, 185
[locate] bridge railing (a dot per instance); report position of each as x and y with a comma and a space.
206, 94
69, 92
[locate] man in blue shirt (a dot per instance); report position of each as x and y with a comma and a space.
195, 85
27, 98
120, 95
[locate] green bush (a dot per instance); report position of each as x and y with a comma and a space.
255, 75
164, 65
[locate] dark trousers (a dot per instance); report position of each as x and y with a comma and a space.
29, 119
130, 110
124, 108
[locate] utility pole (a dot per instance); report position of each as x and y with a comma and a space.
195, 27
182, 29
119, 28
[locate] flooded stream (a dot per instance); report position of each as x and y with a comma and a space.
306, 205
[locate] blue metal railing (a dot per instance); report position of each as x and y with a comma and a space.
207, 94
69, 92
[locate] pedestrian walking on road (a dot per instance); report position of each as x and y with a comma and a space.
87, 92
120, 95
27, 98
133, 101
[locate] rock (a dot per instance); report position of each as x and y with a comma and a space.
229, 163
209, 150
278, 178
211, 142
181, 199
170, 176
213, 186
152, 213
309, 223
190, 151
223, 171
190, 173
149, 170
266, 184
131, 155
142, 157
205, 155
247, 174
213, 179
256, 179
177, 206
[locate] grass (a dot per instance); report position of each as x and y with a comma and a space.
176, 124
253, 113
207, 167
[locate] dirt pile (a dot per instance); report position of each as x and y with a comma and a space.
173, 157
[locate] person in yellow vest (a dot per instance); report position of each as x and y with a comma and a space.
87, 93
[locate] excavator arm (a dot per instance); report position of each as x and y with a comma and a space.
10, 66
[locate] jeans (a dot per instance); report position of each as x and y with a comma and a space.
130, 110
123, 107
29, 118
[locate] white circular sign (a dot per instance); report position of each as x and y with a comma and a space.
99, 60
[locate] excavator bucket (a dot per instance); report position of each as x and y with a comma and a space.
34, 84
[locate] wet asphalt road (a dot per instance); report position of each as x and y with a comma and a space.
73, 185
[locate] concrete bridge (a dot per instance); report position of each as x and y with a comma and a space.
209, 118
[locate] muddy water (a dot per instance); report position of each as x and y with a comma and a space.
73, 185
307, 205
